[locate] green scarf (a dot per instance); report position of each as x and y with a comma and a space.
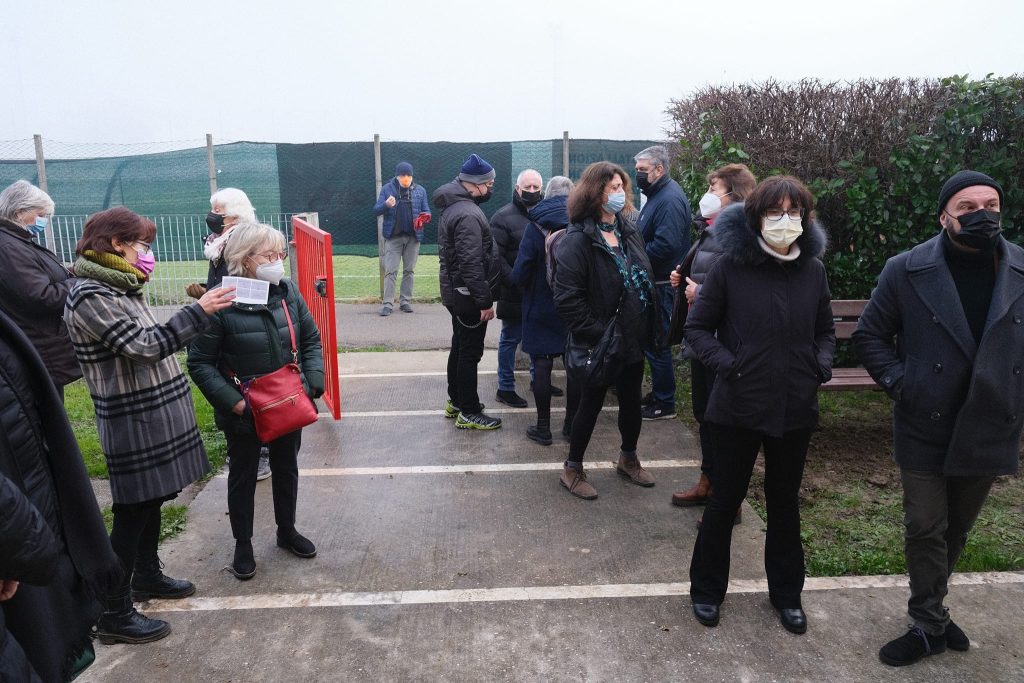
111, 269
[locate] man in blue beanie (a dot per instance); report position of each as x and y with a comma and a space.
403, 204
954, 306
470, 277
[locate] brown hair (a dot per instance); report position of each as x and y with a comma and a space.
737, 178
771, 192
587, 197
118, 223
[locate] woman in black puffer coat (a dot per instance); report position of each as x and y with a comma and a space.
602, 267
763, 324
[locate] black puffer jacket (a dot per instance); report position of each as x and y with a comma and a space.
765, 327
253, 340
465, 248
33, 289
508, 224
588, 288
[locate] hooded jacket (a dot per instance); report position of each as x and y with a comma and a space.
665, 225
765, 327
466, 252
543, 330
508, 224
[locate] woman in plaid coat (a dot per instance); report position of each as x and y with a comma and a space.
144, 412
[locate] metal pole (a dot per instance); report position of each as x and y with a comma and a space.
44, 186
565, 153
380, 219
211, 164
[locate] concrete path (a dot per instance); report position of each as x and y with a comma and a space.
454, 555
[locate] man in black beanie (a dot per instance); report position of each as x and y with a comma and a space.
470, 277
955, 306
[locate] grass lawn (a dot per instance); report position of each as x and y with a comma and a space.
851, 497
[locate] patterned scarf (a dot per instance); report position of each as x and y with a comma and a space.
633, 276
111, 269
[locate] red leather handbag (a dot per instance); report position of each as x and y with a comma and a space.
277, 400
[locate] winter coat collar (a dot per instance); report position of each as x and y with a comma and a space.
517, 202
656, 186
16, 230
738, 239
551, 213
450, 194
589, 228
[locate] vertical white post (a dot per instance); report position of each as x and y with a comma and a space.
211, 164
380, 219
565, 153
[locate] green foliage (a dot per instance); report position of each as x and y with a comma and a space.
879, 197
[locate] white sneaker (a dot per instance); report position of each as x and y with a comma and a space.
263, 472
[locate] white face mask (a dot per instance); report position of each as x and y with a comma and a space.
781, 233
710, 205
270, 272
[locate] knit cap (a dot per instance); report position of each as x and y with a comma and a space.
964, 179
476, 170
403, 168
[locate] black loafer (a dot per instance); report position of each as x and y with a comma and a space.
793, 620
706, 614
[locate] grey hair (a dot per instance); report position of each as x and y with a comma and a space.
246, 239
558, 185
236, 203
23, 196
519, 178
658, 154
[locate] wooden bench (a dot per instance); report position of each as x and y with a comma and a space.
846, 313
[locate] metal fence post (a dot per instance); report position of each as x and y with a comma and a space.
43, 185
211, 163
565, 153
380, 219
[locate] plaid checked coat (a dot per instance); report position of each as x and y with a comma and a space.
144, 411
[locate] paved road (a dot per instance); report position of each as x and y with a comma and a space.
455, 556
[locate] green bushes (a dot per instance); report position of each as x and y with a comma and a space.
874, 152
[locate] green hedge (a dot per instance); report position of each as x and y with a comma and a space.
875, 154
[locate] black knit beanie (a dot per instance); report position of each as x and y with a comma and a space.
963, 179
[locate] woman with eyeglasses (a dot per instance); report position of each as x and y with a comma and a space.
144, 411
251, 340
763, 324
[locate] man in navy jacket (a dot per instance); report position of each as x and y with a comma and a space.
664, 224
403, 204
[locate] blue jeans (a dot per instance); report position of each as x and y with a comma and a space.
511, 336
663, 377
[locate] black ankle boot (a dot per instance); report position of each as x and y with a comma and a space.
244, 564
294, 542
122, 623
149, 581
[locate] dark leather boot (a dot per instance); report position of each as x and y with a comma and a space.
149, 581
122, 623
698, 495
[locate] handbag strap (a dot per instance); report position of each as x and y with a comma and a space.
291, 333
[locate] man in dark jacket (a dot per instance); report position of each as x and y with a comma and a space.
664, 224
403, 204
955, 306
469, 272
508, 225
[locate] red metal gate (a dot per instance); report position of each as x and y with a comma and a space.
315, 274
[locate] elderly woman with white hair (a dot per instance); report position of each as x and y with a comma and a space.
254, 340
228, 207
544, 332
35, 284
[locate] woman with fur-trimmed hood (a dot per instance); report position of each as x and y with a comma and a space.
763, 323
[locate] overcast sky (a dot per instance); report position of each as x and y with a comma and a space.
336, 70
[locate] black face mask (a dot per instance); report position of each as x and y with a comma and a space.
484, 197
979, 229
215, 222
641, 181
531, 198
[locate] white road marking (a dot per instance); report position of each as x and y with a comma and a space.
531, 593
442, 373
422, 413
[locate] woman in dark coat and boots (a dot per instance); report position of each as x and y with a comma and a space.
254, 340
55, 558
602, 268
144, 411
543, 329
763, 324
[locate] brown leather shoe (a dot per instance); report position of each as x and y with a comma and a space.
630, 467
575, 480
698, 495
735, 522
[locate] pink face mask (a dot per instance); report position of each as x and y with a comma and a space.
146, 262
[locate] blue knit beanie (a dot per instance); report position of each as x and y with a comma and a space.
476, 170
403, 168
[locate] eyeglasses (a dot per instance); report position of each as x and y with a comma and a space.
146, 248
272, 256
777, 214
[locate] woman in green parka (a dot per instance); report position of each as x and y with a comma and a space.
253, 340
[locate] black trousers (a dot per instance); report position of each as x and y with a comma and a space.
244, 452
590, 404
135, 532
784, 459
702, 379
463, 359
938, 513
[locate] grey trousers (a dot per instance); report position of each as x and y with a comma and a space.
404, 248
938, 513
